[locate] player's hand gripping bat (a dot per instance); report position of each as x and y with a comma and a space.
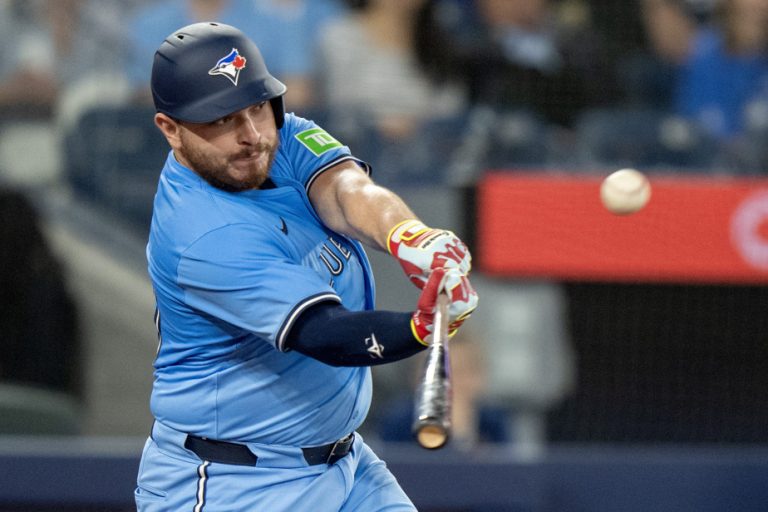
432, 411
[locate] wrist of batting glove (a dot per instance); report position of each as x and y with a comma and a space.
463, 301
421, 249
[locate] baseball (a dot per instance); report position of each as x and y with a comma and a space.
625, 191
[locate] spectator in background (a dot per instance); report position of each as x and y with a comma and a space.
283, 29
91, 46
409, 135
90, 36
725, 71
151, 24
718, 51
287, 33
367, 55
519, 54
669, 26
475, 421
27, 78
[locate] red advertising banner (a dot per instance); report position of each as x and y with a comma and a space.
694, 229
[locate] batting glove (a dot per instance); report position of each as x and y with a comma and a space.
421, 249
463, 302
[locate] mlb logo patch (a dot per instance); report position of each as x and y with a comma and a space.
229, 66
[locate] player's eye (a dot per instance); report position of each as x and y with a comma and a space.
222, 121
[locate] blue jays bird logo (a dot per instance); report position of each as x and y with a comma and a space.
229, 66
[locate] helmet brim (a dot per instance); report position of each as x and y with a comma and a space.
210, 108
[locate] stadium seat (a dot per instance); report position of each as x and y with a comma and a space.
641, 138
753, 150
517, 138
426, 155
420, 157
113, 157
458, 148
502, 139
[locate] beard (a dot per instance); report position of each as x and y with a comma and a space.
219, 171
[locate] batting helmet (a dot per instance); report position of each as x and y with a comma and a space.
205, 71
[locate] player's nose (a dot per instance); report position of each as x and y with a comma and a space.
248, 131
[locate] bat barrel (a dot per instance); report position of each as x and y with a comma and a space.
432, 411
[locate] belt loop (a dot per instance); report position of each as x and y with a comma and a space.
342, 445
329, 453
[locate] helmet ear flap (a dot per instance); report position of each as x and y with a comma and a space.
278, 108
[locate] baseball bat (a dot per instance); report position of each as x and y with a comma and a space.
432, 410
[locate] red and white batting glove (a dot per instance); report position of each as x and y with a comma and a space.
463, 303
421, 249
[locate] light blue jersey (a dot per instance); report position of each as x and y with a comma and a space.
231, 272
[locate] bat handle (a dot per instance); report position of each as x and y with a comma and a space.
432, 425
441, 318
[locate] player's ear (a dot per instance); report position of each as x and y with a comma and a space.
169, 127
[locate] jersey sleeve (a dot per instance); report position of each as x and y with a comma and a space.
252, 286
306, 150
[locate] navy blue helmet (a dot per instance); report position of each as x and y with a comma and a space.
205, 71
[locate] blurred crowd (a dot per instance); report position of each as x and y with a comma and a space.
439, 89
427, 91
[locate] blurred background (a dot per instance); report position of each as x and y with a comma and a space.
615, 363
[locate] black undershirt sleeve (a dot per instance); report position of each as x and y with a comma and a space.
336, 336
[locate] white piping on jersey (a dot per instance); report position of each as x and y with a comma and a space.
330, 164
202, 477
281, 335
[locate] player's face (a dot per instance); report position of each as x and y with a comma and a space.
233, 153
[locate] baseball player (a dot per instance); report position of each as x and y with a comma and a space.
265, 297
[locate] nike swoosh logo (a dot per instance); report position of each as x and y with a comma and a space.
283, 227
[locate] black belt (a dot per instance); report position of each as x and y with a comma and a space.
239, 454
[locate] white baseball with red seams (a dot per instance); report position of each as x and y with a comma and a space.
625, 191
